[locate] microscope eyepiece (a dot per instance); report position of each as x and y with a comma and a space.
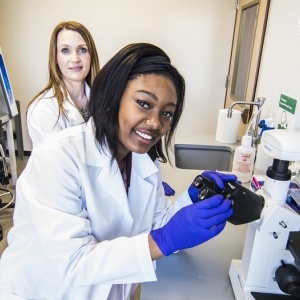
247, 206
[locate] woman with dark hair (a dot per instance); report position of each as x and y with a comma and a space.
112, 82
91, 214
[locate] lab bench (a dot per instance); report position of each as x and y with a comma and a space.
199, 273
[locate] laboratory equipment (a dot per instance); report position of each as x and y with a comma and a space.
7, 101
8, 110
243, 211
269, 268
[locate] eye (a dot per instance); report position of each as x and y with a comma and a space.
65, 50
168, 114
82, 50
143, 104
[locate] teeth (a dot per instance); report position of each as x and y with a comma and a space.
144, 135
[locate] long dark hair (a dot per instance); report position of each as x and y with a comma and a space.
109, 85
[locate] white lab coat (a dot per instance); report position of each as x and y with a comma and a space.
76, 232
42, 116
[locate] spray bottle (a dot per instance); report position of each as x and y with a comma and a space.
243, 160
263, 161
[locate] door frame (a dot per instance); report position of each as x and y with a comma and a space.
260, 31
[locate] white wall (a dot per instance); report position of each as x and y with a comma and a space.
196, 34
280, 67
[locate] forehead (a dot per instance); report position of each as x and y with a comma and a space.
154, 83
67, 36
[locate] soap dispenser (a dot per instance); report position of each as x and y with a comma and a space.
243, 160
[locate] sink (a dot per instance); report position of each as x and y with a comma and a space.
203, 157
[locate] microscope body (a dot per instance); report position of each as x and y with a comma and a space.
266, 249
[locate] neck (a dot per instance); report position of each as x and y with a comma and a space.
77, 93
121, 159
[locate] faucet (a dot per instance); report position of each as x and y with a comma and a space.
259, 103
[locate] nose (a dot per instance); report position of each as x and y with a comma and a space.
153, 121
75, 57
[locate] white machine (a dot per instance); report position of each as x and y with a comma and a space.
270, 264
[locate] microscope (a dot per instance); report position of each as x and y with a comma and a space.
270, 264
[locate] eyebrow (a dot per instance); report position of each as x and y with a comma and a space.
153, 96
67, 45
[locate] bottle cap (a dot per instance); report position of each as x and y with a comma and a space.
246, 141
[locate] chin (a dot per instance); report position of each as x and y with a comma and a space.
140, 150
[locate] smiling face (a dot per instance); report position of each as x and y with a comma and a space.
73, 57
145, 114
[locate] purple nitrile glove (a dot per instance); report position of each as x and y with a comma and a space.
219, 178
193, 225
168, 190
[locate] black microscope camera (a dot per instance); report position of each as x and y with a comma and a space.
246, 205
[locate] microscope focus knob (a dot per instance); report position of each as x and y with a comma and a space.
288, 278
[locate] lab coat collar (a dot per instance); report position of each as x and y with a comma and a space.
142, 189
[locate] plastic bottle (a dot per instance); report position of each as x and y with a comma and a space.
243, 160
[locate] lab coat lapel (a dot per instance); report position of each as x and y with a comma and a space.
142, 189
73, 113
109, 179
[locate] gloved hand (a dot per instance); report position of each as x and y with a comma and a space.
218, 178
193, 225
168, 190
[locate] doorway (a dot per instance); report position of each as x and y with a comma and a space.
247, 46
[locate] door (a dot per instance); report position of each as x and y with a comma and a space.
249, 32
